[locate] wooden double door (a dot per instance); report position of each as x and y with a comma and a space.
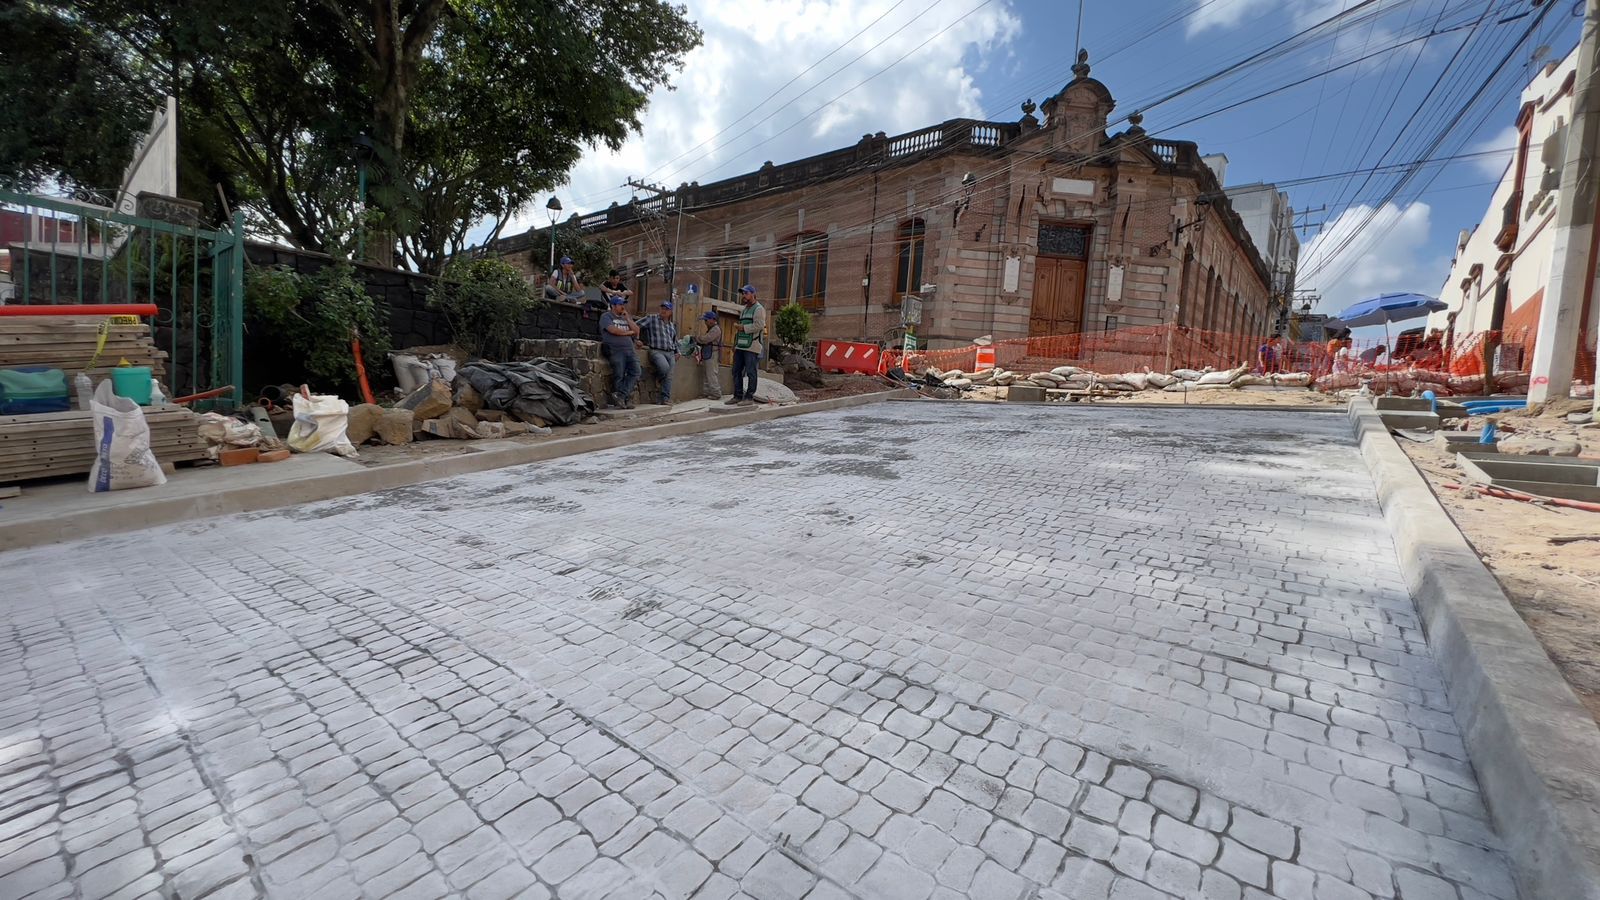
1060, 273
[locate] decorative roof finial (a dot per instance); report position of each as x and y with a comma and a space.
1081, 69
1134, 121
1028, 120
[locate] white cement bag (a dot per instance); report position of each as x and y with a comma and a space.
1160, 379
1136, 380
123, 458
1065, 371
1226, 377
320, 423
1187, 374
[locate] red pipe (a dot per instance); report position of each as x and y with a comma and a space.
1509, 494
361, 372
89, 309
203, 395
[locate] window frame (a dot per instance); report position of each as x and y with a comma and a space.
734, 261
911, 248
808, 249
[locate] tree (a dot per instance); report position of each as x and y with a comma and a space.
792, 324
470, 107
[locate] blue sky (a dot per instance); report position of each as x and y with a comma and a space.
896, 65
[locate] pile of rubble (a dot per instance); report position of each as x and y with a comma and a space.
1073, 378
484, 400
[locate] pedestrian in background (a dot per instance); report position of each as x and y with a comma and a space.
618, 334
747, 348
660, 338
1269, 356
709, 351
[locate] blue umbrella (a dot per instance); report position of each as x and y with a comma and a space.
1386, 308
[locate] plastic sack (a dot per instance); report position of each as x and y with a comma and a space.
123, 458
320, 424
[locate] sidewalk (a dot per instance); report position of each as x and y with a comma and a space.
66, 510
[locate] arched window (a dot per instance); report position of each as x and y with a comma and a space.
803, 271
730, 270
908, 259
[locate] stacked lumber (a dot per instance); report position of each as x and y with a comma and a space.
48, 445
68, 343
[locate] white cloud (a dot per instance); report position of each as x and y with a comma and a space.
1225, 14
1388, 253
1222, 15
1503, 144
754, 46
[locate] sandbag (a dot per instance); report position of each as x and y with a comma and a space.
1136, 380
1224, 377
1065, 371
1160, 379
1187, 374
123, 458
321, 423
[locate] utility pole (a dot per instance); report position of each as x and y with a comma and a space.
670, 276
1572, 274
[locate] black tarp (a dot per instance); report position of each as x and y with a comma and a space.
541, 389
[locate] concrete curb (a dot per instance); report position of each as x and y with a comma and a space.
1534, 746
166, 510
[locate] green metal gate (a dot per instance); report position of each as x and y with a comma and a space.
76, 253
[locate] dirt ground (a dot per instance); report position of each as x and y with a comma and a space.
1275, 397
1554, 587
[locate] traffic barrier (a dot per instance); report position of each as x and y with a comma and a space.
985, 359
847, 356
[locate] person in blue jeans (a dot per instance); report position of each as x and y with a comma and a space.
618, 334
660, 338
747, 348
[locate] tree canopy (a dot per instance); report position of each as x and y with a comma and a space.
460, 110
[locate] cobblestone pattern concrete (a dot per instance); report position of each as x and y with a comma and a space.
910, 652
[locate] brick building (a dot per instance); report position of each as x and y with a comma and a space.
1018, 228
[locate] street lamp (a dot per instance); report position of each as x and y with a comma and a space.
554, 209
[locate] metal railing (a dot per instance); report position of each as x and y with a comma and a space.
75, 253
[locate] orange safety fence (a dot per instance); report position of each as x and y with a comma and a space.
1163, 348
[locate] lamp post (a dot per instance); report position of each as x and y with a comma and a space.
554, 209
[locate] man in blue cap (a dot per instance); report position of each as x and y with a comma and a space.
618, 333
564, 283
708, 344
660, 338
747, 348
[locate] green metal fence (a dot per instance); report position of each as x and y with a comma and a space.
75, 253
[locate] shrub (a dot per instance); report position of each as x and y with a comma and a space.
483, 300
793, 325
316, 316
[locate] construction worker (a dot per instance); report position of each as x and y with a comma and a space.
747, 348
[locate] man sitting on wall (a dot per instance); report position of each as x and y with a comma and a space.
564, 284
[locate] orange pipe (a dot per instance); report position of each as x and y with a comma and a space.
1509, 494
87, 309
203, 395
361, 371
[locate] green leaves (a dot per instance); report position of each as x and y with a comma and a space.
483, 300
475, 108
793, 325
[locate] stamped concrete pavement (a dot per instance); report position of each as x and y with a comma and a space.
910, 651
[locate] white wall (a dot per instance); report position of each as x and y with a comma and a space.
1530, 270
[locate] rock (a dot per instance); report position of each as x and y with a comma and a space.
363, 421
466, 396
430, 401
464, 424
1534, 445
394, 426
1580, 418
799, 370
773, 392
490, 415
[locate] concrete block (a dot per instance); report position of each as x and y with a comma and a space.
1025, 393
1422, 421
